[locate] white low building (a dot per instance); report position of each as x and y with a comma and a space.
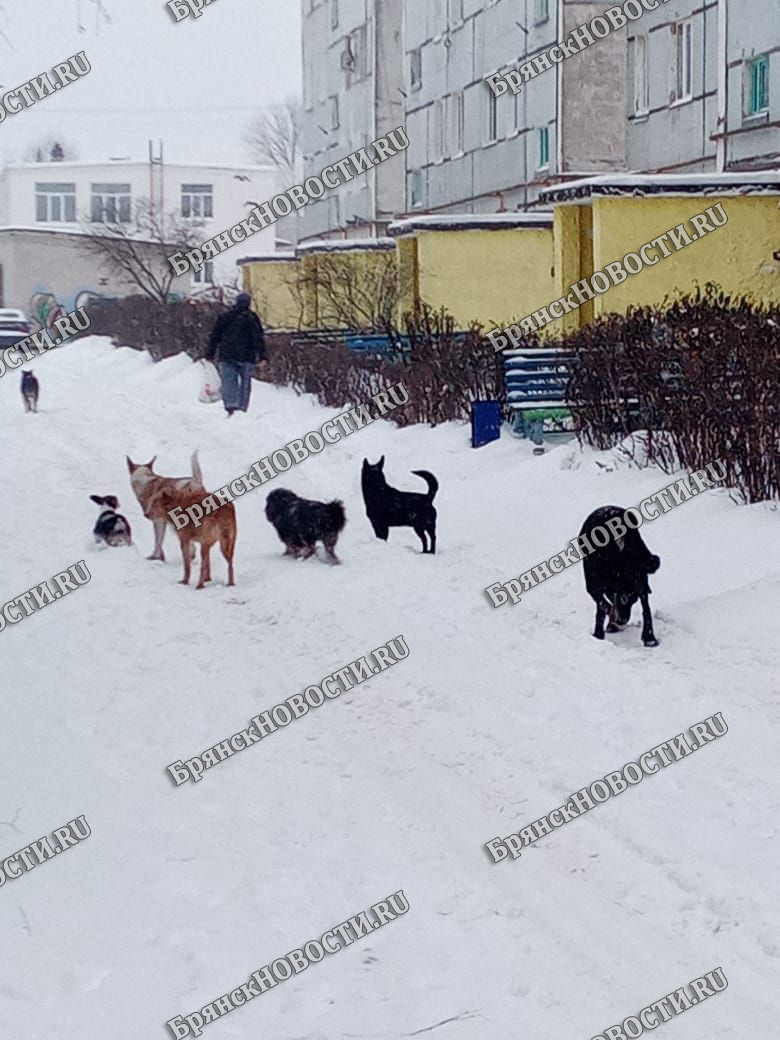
70, 196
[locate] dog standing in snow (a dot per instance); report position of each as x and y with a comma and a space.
386, 507
30, 392
148, 488
301, 523
111, 528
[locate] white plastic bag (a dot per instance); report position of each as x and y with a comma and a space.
211, 387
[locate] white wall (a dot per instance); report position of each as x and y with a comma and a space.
17, 197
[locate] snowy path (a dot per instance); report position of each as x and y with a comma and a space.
496, 717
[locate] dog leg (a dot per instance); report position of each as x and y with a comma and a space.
159, 534
330, 547
602, 609
648, 635
205, 566
307, 551
432, 536
186, 560
613, 625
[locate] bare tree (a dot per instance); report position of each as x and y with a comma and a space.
139, 250
359, 298
274, 136
51, 148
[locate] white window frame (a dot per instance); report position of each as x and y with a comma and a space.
641, 102
104, 195
543, 134
334, 14
683, 62
541, 11
491, 130
455, 124
416, 189
206, 274
415, 69
334, 112
200, 198
437, 131
56, 198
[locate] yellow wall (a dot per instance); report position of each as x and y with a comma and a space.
346, 288
271, 286
737, 256
493, 277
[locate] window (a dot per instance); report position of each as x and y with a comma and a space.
197, 201
110, 203
416, 189
437, 133
684, 79
455, 123
55, 203
541, 11
334, 14
334, 112
415, 69
334, 212
758, 86
206, 275
641, 76
492, 116
544, 148
355, 57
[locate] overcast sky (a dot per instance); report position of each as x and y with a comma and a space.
195, 83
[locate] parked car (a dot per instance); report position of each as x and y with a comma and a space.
14, 325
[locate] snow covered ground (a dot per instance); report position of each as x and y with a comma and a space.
495, 718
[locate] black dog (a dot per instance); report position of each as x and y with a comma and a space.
301, 523
111, 527
616, 576
386, 507
30, 392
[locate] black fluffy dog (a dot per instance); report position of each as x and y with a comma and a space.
30, 390
616, 576
386, 507
301, 523
111, 527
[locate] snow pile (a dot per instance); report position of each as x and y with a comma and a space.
496, 717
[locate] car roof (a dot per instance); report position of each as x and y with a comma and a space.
10, 313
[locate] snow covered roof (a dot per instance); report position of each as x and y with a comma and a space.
86, 163
471, 222
269, 258
640, 185
344, 245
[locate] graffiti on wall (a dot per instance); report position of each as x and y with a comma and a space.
46, 307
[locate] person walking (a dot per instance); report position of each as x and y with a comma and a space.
239, 340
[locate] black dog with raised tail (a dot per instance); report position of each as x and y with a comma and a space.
386, 507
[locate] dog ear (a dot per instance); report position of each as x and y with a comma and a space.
111, 501
130, 464
151, 464
381, 463
96, 499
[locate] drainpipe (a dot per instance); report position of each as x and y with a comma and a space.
559, 90
721, 144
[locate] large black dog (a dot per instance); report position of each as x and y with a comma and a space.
616, 576
301, 523
386, 507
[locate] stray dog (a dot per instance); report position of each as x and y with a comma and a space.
301, 523
148, 487
30, 392
111, 527
386, 507
616, 576
219, 526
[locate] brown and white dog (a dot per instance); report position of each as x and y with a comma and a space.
219, 526
148, 488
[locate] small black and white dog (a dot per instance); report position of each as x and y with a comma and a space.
30, 392
301, 523
386, 507
111, 527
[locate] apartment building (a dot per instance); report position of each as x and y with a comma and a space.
69, 196
704, 84
353, 93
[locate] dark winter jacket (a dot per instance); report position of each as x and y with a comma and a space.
238, 336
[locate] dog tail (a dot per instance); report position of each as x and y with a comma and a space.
430, 480
336, 516
196, 473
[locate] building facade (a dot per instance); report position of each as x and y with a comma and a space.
70, 196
